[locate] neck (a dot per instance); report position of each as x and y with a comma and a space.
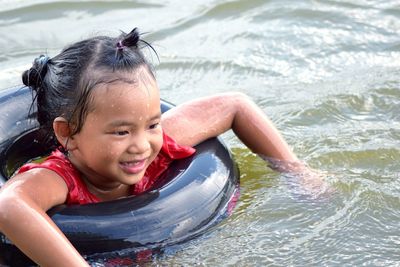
110, 193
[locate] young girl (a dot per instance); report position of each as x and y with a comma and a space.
99, 101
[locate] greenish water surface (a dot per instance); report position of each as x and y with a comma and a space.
325, 72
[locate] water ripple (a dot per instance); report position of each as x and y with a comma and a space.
326, 72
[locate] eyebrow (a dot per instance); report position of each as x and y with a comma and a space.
119, 123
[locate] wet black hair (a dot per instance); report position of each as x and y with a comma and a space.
62, 85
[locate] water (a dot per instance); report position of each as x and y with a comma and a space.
326, 72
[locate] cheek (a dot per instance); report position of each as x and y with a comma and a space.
113, 148
157, 143
107, 150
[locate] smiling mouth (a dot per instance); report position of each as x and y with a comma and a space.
133, 167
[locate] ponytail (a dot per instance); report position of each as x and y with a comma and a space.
130, 41
35, 75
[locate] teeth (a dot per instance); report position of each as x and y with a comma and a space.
131, 163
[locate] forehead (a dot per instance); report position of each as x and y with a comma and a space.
135, 91
140, 81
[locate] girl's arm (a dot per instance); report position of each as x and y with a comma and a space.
24, 200
198, 120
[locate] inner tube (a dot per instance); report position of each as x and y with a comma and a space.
193, 195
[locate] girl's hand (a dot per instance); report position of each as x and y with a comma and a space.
302, 179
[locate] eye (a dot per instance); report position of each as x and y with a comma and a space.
154, 125
121, 133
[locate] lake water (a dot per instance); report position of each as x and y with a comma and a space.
327, 74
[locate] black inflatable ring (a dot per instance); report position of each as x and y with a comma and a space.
190, 197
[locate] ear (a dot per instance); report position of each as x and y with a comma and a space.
62, 131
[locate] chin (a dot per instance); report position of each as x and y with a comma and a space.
135, 180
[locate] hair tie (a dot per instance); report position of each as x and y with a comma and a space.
43, 60
120, 46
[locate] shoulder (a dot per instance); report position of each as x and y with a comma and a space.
39, 175
57, 165
41, 185
172, 150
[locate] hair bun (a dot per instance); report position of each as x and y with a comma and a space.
35, 75
129, 40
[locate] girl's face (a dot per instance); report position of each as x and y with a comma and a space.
121, 134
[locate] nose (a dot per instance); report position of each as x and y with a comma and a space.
139, 143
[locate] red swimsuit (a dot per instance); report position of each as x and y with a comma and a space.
78, 192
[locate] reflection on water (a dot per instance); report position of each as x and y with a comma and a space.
326, 72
